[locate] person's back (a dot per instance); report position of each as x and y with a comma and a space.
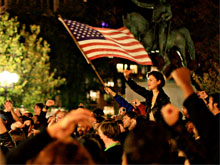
114, 154
95, 147
147, 144
109, 132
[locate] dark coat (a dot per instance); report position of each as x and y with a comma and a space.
162, 99
206, 125
114, 154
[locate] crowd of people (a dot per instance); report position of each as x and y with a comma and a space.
153, 132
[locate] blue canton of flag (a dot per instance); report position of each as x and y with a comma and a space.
82, 31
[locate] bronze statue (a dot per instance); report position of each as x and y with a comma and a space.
165, 38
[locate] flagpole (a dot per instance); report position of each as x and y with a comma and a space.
74, 39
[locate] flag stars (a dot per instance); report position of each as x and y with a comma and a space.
83, 31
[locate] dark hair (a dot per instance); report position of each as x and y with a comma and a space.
40, 105
24, 118
131, 114
158, 76
95, 146
98, 112
67, 151
148, 147
99, 119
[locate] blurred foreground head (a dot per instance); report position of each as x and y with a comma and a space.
67, 151
147, 145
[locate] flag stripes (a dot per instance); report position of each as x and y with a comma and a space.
104, 42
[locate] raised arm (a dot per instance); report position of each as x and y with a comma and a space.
199, 114
59, 130
133, 85
9, 108
120, 100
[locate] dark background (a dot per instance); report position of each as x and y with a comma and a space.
201, 17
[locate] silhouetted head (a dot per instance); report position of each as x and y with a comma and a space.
147, 145
67, 151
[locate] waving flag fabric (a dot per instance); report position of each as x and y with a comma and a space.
104, 42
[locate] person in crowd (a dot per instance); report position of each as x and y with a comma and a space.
60, 115
6, 142
203, 95
37, 124
67, 151
20, 130
82, 129
9, 114
155, 96
27, 114
18, 136
95, 146
199, 114
41, 110
129, 120
98, 121
185, 113
190, 127
18, 112
98, 112
7, 117
38, 108
56, 117
109, 132
214, 107
58, 131
137, 106
213, 104
147, 145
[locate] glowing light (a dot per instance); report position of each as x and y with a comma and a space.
7, 78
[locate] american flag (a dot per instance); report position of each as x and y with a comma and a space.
105, 42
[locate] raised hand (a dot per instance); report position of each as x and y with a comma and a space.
127, 73
136, 102
66, 126
170, 114
183, 80
50, 103
8, 106
109, 91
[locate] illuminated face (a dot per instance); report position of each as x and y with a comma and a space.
152, 82
17, 112
82, 128
60, 115
190, 126
37, 110
126, 121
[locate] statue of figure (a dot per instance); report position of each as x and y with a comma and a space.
161, 17
167, 38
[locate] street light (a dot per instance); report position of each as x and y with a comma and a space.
7, 80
